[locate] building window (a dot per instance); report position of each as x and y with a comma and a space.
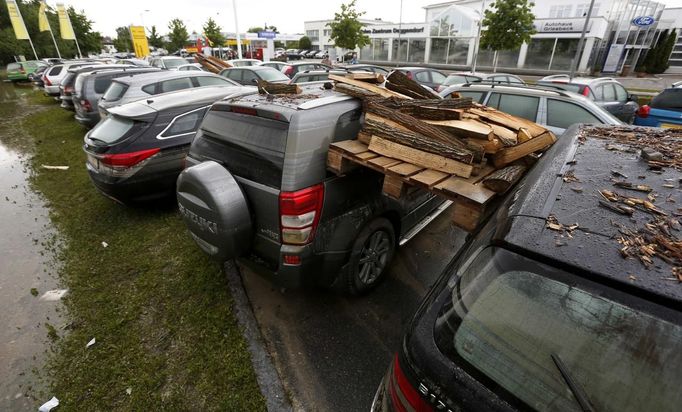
558, 12
416, 50
380, 49
564, 53
399, 53
439, 50
581, 9
313, 35
458, 51
539, 53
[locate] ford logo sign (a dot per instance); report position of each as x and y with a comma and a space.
643, 21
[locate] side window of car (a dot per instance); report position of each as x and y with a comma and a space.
621, 93
175, 84
249, 77
184, 124
348, 125
437, 77
150, 88
499, 79
102, 84
522, 106
475, 96
235, 75
211, 81
514, 80
422, 76
609, 93
563, 114
598, 93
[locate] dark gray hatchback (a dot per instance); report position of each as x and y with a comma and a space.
257, 187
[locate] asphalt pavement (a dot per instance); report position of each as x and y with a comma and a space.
332, 351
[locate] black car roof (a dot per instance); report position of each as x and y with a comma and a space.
565, 191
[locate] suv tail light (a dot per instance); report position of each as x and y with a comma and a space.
586, 92
643, 111
47, 81
299, 213
289, 70
404, 397
68, 89
85, 104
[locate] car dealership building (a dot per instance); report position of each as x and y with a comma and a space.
447, 37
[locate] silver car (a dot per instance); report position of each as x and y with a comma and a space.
128, 89
554, 109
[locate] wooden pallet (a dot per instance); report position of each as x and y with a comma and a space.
469, 196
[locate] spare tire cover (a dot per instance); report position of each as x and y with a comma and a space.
214, 208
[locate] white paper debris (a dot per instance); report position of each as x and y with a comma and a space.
92, 342
105, 244
129, 391
54, 295
49, 405
48, 167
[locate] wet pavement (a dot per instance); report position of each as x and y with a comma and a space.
25, 270
330, 351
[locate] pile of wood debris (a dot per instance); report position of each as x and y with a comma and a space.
461, 150
212, 64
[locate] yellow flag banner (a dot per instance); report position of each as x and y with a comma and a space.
65, 24
140, 44
17, 22
43, 24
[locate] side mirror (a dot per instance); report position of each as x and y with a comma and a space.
633, 98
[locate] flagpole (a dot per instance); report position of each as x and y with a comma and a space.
54, 41
27, 35
77, 47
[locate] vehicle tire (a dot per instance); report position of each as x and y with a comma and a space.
372, 252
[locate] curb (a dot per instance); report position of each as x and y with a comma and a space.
266, 374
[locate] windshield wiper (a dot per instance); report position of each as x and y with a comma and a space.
576, 389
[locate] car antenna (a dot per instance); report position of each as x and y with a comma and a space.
150, 101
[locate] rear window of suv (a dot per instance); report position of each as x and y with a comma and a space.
670, 99
115, 91
12, 67
254, 146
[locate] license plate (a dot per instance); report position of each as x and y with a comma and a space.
93, 161
671, 126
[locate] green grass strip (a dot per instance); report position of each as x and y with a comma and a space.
159, 309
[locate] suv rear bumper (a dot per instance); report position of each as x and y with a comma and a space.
314, 269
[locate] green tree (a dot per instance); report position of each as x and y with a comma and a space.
255, 29
662, 63
305, 43
346, 29
508, 26
177, 37
212, 32
154, 37
123, 42
88, 40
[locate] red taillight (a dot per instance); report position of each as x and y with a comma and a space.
643, 111
289, 70
299, 213
245, 110
402, 391
85, 104
292, 260
586, 91
47, 81
409, 75
128, 159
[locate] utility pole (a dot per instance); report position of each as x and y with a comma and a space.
400, 32
236, 28
581, 42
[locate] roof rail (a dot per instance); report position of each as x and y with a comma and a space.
560, 92
605, 78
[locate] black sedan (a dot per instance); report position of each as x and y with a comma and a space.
137, 152
249, 75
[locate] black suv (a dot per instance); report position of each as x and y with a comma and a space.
257, 187
542, 311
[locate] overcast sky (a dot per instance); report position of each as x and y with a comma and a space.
288, 16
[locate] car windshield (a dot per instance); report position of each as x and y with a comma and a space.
670, 99
115, 91
171, 63
273, 75
508, 316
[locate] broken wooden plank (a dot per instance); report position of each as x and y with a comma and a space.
466, 216
364, 156
367, 77
489, 146
393, 186
457, 187
501, 180
337, 163
399, 82
420, 158
432, 113
511, 154
507, 137
384, 162
459, 103
265, 87
511, 122
369, 87
465, 128
405, 169
364, 137
523, 135
428, 178
350, 146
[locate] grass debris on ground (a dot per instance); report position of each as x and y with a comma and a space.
161, 313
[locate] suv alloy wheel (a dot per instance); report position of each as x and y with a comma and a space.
372, 252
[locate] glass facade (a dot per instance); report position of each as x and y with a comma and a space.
539, 53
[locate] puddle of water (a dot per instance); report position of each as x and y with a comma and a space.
26, 269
